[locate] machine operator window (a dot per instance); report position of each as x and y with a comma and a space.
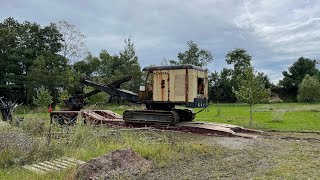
200, 86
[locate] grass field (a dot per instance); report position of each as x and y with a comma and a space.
280, 117
276, 155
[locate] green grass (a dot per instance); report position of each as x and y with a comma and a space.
89, 142
169, 150
297, 117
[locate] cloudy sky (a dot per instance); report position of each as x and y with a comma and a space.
274, 32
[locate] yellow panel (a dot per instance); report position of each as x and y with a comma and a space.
179, 87
170, 85
160, 85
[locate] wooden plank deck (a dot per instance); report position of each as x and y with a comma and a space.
54, 165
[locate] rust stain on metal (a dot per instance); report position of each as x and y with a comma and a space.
187, 80
162, 89
168, 74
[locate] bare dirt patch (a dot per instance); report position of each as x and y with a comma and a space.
231, 142
116, 164
274, 156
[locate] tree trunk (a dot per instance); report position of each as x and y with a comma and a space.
250, 115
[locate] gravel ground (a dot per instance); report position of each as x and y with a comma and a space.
275, 156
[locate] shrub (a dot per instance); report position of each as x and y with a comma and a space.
9, 158
34, 126
43, 98
309, 89
99, 98
277, 115
63, 95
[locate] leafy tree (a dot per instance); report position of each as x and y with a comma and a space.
309, 89
240, 60
43, 98
73, 43
220, 87
252, 89
108, 65
89, 67
293, 77
118, 66
131, 64
194, 56
267, 84
52, 72
223, 84
21, 44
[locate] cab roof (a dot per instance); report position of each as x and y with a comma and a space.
183, 66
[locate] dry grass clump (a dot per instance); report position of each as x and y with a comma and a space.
277, 115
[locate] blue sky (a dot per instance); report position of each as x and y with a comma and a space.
274, 32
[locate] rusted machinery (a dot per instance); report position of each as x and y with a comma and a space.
75, 103
164, 88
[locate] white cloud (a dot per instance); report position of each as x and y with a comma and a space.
274, 32
283, 28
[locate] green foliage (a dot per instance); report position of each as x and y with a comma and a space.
63, 95
194, 56
293, 77
34, 126
99, 98
240, 60
131, 64
277, 115
8, 158
21, 44
252, 88
88, 67
309, 89
220, 86
118, 66
52, 72
43, 98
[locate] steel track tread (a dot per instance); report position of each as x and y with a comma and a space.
151, 116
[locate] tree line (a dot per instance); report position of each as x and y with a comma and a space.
34, 58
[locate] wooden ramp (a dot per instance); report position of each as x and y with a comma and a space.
54, 165
101, 117
218, 129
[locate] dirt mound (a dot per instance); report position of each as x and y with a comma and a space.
119, 163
